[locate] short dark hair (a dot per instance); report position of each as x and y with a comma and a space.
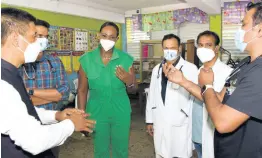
257, 17
209, 33
42, 23
170, 36
13, 19
110, 24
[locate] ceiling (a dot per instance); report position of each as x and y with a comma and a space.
123, 5
136, 4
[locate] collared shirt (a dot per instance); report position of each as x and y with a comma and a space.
246, 140
49, 72
221, 72
108, 95
24, 129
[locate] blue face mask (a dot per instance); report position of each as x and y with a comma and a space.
239, 39
43, 43
170, 55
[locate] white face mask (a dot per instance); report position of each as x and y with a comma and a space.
239, 39
107, 44
205, 54
31, 52
43, 43
170, 55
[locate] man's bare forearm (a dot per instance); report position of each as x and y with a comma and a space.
39, 101
213, 106
48, 94
193, 88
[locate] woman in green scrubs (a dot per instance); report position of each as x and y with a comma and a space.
106, 72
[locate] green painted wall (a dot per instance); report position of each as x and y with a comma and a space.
216, 24
58, 19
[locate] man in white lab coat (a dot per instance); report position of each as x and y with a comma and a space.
169, 106
207, 52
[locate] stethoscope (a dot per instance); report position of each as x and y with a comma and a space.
159, 68
34, 74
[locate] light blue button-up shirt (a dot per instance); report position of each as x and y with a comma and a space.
197, 121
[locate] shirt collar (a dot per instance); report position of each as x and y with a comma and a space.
216, 65
99, 59
44, 57
180, 63
5, 64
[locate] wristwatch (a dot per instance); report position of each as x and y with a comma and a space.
131, 85
31, 92
205, 88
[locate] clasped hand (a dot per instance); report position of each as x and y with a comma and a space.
78, 117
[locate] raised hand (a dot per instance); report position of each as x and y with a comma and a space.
173, 75
206, 77
150, 130
126, 77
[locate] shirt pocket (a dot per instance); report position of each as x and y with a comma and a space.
93, 77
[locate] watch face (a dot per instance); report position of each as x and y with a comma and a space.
31, 92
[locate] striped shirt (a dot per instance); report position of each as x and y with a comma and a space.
47, 73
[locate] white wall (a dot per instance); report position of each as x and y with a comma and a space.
69, 8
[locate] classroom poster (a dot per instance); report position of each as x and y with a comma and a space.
53, 38
81, 40
66, 38
93, 40
234, 12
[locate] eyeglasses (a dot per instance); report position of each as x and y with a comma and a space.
105, 36
41, 36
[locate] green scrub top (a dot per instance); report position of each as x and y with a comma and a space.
108, 95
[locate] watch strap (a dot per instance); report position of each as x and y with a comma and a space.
205, 88
31, 92
132, 85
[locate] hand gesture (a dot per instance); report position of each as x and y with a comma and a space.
126, 77
173, 75
206, 77
150, 130
62, 115
81, 123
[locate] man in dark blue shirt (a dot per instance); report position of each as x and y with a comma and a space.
238, 122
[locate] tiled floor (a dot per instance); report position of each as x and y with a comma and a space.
141, 145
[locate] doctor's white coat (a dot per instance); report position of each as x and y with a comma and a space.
172, 122
221, 72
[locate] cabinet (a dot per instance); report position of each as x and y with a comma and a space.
151, 54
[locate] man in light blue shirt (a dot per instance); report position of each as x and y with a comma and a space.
197, 124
